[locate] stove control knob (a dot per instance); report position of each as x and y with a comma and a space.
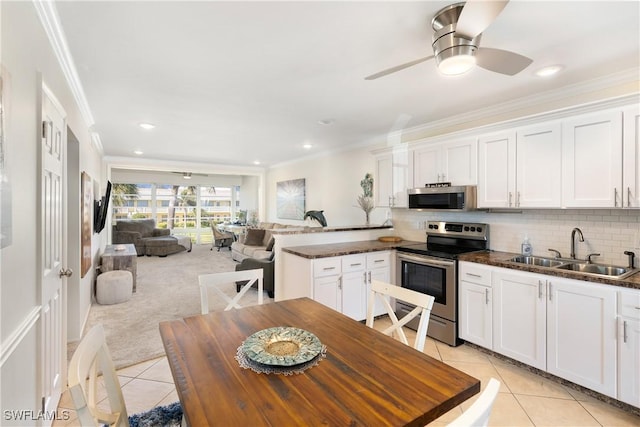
466, 228
435, 226
473, 229
479, 229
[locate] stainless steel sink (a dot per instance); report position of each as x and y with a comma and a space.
600, 270
535, 260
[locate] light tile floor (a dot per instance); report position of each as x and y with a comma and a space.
525, 399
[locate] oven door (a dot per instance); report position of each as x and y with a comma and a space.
436, 277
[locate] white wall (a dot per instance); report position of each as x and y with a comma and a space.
28, 59
332, 185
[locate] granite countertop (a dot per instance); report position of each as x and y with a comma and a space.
346, 248
304, 229
501, 259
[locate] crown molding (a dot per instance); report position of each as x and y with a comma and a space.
48, 15
553, 96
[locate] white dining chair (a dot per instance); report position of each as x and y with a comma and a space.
213, 283
477, 415
91, 358
422, 302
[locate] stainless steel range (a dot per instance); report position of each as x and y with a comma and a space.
432, 268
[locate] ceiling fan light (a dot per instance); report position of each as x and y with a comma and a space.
458, 64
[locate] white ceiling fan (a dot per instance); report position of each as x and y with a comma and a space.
457, 30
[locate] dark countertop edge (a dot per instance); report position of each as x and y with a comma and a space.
303, 230
328, 250
501, 259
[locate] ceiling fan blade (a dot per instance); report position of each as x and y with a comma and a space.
477, 15
398, 68
501, 61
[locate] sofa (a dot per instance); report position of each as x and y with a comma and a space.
148, 239
257, 242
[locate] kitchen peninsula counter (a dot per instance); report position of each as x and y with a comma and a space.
345, 248
501, 259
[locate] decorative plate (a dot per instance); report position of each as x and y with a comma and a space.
282, 346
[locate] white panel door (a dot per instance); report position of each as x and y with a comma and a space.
326, 290
592, 160
402, 176
631, 158
538, 166
519, 317
581, 333
383, 181
354, 295
496, 170
53, 348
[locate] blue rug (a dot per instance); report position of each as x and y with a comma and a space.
160, 416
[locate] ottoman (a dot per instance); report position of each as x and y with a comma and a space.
114, 287
162, 246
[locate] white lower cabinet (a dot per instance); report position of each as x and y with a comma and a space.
343, 283
581, 339
519, 317
629, 347
475, 304
562, 326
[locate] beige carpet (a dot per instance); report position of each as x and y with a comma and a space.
167, 289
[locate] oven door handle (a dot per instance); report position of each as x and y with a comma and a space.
427, 261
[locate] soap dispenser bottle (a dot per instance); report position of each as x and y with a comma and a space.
526, 246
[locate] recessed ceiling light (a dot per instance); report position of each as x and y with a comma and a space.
138, 152
186, 175
307, 146
549, 71
326, 122
256, 162
147, 126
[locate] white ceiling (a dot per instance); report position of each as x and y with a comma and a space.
234, 82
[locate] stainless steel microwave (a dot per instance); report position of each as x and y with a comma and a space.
453, 198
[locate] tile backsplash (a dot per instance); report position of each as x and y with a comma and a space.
608, 232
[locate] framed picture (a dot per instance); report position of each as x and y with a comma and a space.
290, 199
87, 221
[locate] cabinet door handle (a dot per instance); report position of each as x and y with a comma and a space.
550, 291
369, 277
539, 289
378, 260
628, 197
473, 275
518, 199
615, 197
364, 276
328, 268
486, 296
624, 331
510, 195
356, 264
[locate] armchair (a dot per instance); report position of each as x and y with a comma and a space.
220, 239
267, 266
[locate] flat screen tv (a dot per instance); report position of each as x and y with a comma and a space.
101, 210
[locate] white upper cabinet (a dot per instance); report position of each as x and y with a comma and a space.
520, 168
454, 162
631, 158
592, 160
496, 170
538, 166
394, 175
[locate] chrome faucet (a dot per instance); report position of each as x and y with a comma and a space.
573, 241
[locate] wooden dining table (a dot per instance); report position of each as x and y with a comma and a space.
367, 378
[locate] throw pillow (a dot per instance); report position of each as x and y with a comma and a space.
272, 242
254, 237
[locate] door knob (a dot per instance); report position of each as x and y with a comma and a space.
65, 273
